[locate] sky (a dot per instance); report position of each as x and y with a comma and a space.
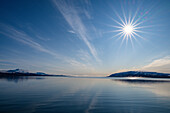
83, 37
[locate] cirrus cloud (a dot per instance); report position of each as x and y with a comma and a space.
159, 65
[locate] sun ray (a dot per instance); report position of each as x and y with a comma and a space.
140, 31
129, 19
139, 36
124, 37
136, 40
120, 18
146, 26
124, 16
114, 26
120, 36
117, 22
127, 39
114, 31
134, 16
131, 41
121, 33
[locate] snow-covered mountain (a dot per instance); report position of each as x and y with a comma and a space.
17, 71
140, 74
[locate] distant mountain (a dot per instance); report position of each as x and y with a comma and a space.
17, 71
140, 74
21, 72
41, 73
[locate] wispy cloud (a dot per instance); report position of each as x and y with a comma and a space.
71, 31
73, 18
24, 38
84, 56
160, 65
42, 38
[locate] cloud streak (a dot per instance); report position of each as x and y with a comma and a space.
161, 65
23, 38
73, 18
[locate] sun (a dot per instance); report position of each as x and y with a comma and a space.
128, 29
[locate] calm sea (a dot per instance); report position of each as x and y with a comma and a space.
84, 95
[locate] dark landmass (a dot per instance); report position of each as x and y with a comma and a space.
19, 73
141, 74
4, 74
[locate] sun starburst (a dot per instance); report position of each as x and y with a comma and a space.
129, 28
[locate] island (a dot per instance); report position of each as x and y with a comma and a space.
23, 73
140, 74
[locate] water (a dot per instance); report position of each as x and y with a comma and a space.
84, 95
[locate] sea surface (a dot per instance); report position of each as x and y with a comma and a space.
84, 95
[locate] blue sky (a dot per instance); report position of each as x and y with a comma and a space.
80, 37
